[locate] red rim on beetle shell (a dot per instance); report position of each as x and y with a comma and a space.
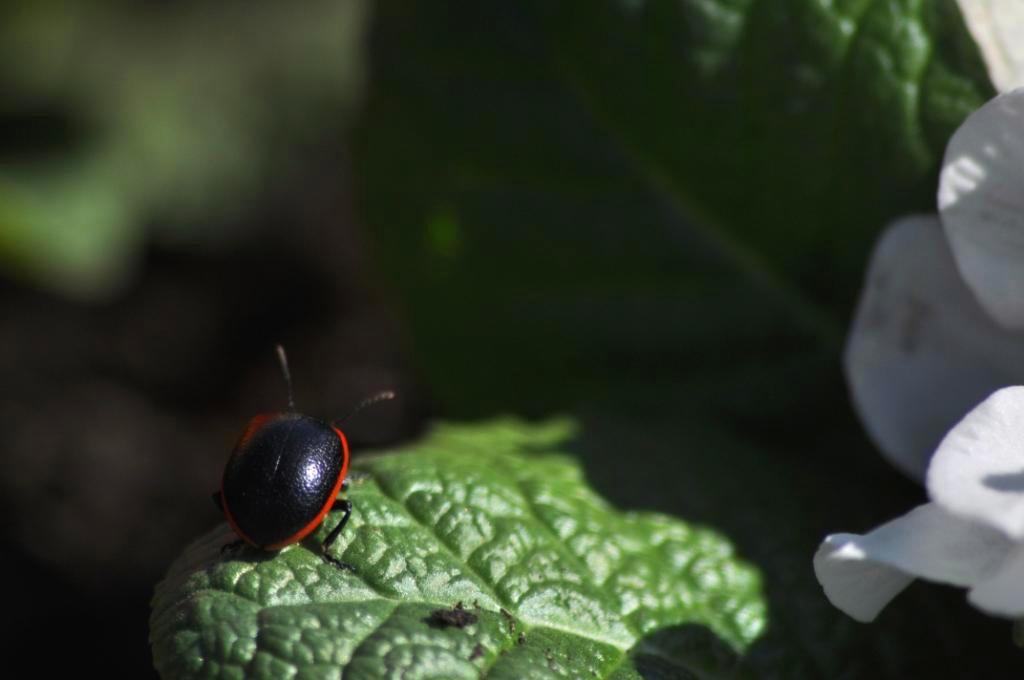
284, 475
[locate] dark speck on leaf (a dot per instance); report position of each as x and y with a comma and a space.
511, 620
522, 639
478, 651
456, 617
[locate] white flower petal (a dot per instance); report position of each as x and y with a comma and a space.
998, 28
854, 584
861, 574
978, 469
981, 201
1003, 593
922, 352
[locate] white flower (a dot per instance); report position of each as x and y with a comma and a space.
971, 534
998, 28
940, 324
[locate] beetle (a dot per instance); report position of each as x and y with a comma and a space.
284, 476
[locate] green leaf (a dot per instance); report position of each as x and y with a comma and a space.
173, 123
575, 194
493, 516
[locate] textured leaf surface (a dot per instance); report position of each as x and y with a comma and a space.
562, 585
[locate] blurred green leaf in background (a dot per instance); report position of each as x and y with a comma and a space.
125, 123
582, 194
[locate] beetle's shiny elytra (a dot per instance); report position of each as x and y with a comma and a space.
284, 476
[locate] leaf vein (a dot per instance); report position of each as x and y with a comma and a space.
485, 586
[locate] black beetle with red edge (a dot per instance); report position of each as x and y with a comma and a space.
284, 476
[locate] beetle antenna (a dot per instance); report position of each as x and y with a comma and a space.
282, 359
369, 401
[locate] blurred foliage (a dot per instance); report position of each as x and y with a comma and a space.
657, 214
605, 190
570, 195
122, 121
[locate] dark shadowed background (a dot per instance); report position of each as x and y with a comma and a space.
175, 197
624, 211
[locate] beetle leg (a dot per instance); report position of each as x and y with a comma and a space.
346, 507
344, 484
232, 546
